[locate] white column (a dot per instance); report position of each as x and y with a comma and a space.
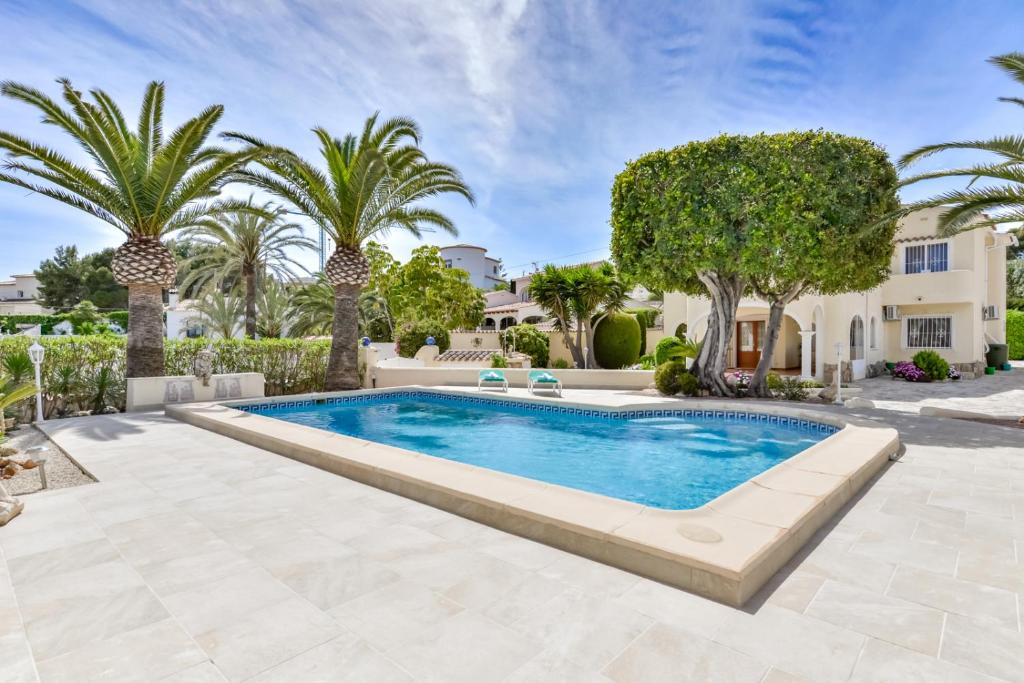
807, 338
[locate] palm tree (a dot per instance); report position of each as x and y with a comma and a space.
140, 182
312, 311
219, 312
252, 242
273, 306
1004, 194
373, 184
12, 392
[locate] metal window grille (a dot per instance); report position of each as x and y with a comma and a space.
926, 258
930, 333
938, 257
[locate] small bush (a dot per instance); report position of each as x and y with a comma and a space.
932, 364
674, 348
617, 341
680, 330
413, 335
647, 362
792, 389
668, 377
498, 361
560, 364
1015, 334
527, 339
689, 385
774, 382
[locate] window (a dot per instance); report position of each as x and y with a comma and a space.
447, 263
926, 258
21, 293
494, 269
856, 338
873, 338
929, 332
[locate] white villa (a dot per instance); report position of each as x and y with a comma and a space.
945, 294
484, 271
18, 296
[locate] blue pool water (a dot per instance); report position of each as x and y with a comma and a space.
666, 459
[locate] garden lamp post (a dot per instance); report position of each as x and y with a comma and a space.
839, 373
36, 353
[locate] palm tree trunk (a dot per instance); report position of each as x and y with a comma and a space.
588, 332
145, 330
343, 366
250, 301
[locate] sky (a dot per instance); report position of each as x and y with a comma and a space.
539, 104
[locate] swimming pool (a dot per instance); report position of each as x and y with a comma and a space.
668, 459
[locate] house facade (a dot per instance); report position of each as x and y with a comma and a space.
18, 296
484, 271
947, 294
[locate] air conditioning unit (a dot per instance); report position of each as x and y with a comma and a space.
890, 312
990, 313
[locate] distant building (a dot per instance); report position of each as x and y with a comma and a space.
18, 296
484, 272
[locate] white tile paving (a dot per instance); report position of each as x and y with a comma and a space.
197, 558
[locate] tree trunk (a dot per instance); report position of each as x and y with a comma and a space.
573, 350
250, 301
588, 333
759, 382
343, 366
145, 331
725, 297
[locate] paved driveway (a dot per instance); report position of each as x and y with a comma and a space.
1001, 394
198, 558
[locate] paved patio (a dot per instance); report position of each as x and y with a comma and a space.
1001, 394
198, 558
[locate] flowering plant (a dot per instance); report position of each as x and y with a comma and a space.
908, 371
739, 379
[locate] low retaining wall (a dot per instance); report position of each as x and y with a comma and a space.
147, 393
383, 378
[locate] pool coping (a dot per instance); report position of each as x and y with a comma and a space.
725, 549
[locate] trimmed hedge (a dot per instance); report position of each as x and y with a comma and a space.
617, 341
1015, 334
9, 323
412, 336
72, 366
645, 317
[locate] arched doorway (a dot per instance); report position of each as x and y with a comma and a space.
489, 324
533, 320
507, 322
858, 365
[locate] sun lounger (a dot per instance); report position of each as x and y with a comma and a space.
544, 380
492, 377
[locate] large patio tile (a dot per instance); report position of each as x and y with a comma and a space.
222, 601
523, 599
592, 577
985, 504
795, 643
19, 543
207, 672
586, 629
964, 541
395, 614
677, 608
485, 580
882, 662
468, 648
794, 591
267, 637
16, 663
908, 624
999, 571
992, 605
345, 658
147, 653
667, 654
977, 645
63, 559
189, 571
859, 570
931, 556
996, 529
548, 667
331, 581
521, 552
901, 507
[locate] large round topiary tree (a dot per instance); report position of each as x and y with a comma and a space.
617, 341
779, 215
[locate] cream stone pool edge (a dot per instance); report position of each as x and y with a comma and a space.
726, 549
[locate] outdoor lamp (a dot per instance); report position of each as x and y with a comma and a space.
431, 341
36, 353
365, 341
839, 373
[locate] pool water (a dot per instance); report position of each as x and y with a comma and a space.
676, 462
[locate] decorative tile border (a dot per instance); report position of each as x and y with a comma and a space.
609, 414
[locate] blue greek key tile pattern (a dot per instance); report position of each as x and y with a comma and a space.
511, 404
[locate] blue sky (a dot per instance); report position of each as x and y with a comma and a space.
539, 104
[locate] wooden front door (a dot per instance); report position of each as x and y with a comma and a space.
749, 342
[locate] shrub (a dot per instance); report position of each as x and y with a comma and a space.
689, 384
667, 377
680, 330
527, 339
560, 364
908, 371
674, 348
1015, 334
645, 317
792, 389
498, 361
412, 335
647, 362
932, 364
774, 382
617, 341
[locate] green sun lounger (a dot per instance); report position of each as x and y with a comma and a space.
544, 380
491, 377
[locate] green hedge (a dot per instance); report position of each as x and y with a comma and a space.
9, 323
1015, 334
527, 339
617, 341
412, 336
72, 365
645, 317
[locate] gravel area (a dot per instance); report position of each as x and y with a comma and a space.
61, 473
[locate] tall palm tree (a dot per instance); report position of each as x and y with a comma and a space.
1004, 191
252, 242
219, 313
140, 182
372, 184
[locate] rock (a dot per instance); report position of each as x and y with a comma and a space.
857, 402
828, 393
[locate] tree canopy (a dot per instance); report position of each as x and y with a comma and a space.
67, 279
